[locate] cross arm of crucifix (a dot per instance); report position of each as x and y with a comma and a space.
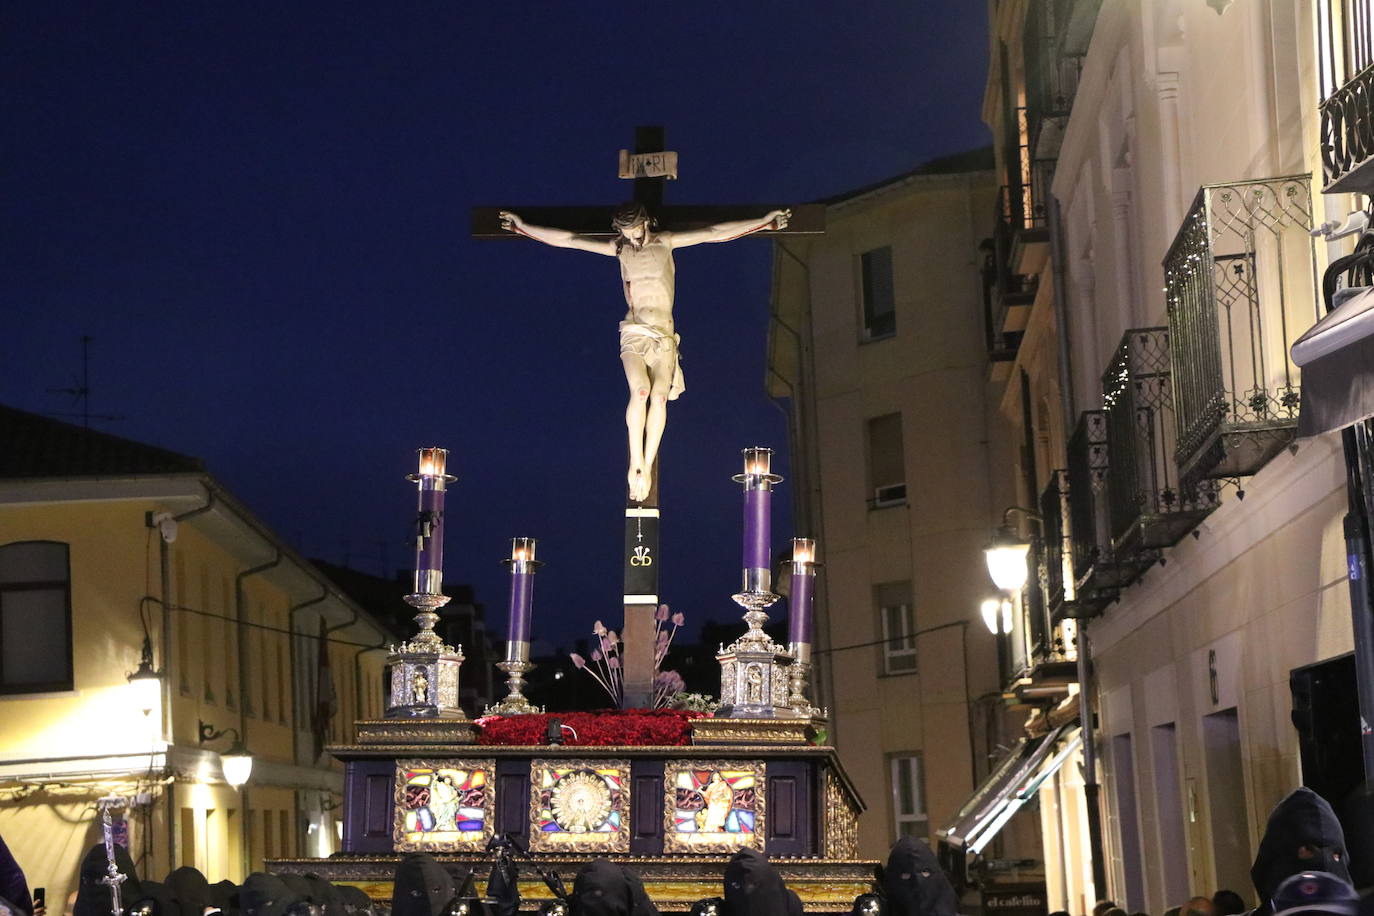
593, 223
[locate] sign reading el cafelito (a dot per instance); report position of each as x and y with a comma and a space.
648, 165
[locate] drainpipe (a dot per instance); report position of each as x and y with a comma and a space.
1091, 794
245, 853
241, 615
1092, 798
358, 671
291, 653
334, 629
165, 584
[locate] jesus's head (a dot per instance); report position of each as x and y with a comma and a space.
633, 223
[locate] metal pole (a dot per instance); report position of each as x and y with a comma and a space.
1091, 795
1359, 466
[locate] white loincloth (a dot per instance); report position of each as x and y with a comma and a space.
648, 343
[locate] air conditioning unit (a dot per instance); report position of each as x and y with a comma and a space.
890, 495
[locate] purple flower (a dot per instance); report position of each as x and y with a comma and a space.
679, 620
596, 655
613, 662
670, 682
615, 640
577, 660
662, 613
662, 639
599, 628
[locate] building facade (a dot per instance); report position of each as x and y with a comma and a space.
107, 547
1162, 166
876, 347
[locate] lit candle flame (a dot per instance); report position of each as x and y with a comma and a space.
803, 551
522, 549
432, 461
758, 461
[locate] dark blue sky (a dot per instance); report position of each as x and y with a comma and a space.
260, 214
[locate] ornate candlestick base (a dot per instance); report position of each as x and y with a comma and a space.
515, 703
424, 671
799, 675
754, 669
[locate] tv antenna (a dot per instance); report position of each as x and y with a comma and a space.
81, 391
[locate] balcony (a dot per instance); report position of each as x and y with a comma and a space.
1240, 287
1346, 70
1056, 552
1148, 509
1100, 568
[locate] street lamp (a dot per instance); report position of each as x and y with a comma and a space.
1006, 553
236, 762
145, 682
997, 615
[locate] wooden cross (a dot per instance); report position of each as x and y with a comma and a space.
649, 167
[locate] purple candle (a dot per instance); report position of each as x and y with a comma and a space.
758, 483
803, 590
522, 566
429, 541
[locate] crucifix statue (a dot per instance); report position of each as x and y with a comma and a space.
648, 342
642, 236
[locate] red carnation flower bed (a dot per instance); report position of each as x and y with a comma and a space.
658, 727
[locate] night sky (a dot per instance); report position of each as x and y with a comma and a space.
259, 213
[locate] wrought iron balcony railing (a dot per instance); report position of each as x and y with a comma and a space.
1098, 573
1055, 555
1148, 507
1347, 130
1240, 287
1345, 66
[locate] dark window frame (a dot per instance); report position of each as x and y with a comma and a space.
869, 320
69, 682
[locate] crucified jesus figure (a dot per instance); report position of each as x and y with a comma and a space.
648, 343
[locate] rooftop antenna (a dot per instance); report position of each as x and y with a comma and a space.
81, 392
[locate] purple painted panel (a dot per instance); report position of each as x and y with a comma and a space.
646, 807
513, 797
792, 807
368, 785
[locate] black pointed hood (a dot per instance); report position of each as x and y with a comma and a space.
1303, 818
754, 888
264, 895
422, 888
603, 888
92, 895
913, 883
191, 890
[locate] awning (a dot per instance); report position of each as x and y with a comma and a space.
1010, 786
1337, 360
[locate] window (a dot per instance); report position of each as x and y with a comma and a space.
35, 617
909, 798
880, 313
898, 621
886, 462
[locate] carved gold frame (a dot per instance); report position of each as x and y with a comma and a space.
619, 841
400, 837
674, 842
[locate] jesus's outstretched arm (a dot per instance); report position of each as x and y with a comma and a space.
559, 238
726, 232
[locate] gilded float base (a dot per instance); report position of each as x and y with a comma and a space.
753, 732
419, 731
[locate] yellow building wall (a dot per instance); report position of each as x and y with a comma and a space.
51, 822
